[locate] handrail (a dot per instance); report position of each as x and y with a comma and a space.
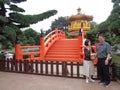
23, 47
56, 31
52, 37
19, 54
48, 35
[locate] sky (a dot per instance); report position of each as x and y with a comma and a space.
99, 9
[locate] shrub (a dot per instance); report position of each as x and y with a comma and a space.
116, 60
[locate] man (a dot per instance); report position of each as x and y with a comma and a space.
103, 53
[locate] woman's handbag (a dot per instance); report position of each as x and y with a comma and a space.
92, 56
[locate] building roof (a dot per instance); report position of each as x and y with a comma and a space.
80, 16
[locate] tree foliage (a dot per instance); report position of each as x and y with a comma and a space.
60, 23
16, 8
12, 20
93, 24
30, 37
111, 26
26, 20
17, 1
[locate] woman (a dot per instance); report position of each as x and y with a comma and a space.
88, 63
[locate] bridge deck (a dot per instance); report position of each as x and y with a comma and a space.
14, 81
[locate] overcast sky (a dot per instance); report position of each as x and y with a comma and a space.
99, 9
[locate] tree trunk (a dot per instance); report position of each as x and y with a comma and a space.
2, 9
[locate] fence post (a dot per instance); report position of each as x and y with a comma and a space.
51, 67
71, 69
2, 64
36, 66
64, 69
57, 68
20, 66
41, 67
78, 68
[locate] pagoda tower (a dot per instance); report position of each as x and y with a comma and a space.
78, 21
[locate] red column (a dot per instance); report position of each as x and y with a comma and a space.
18, 52
31, 56
80, 40
42, 48
56, 33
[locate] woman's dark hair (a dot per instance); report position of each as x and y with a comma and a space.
86, 42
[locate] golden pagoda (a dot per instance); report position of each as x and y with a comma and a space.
77, 21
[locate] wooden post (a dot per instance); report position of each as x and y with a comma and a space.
36, 66
16, 66
20, 66
32, 66
57, 68
8, 62
46, 67
71, 69
78, 69
41, 67
12, 64
51, 67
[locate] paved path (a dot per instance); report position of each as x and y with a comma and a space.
14, 81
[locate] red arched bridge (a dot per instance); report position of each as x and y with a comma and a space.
54, 47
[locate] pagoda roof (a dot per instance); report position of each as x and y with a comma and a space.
80, 16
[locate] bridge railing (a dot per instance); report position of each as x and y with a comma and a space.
31, 55
49, 40
45, 43
20, 52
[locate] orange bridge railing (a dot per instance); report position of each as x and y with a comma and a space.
45, 43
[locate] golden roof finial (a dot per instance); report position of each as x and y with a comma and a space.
79, 9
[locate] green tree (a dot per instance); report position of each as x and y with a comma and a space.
93, 24
28, 41
17, 1
12, 20
110, 27
48, 31
114, 18
30, 37
60, 23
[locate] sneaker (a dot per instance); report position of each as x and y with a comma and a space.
107, 85
87, 81
92, 80
101, 83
